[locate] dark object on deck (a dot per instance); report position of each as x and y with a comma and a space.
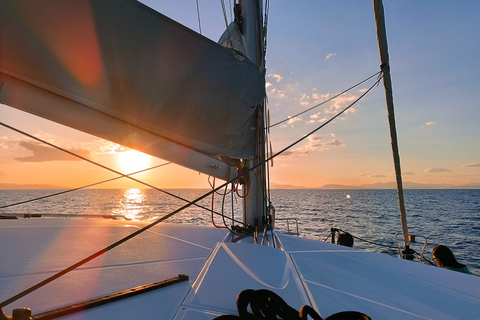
108, 298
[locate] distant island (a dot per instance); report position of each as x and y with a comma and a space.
388, 185
379, 185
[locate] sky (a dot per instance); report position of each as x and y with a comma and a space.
315, 49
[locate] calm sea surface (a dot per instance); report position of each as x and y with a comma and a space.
449, 217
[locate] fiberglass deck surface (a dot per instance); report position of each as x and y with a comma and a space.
340, 278
32, 250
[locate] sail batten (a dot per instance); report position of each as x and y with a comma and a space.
124, 63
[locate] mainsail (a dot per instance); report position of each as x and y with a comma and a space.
124, 72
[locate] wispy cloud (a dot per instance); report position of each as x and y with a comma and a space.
293, 120
304, 100
43, 153
276, 77
336, 143
372, 175
436, 170
315, 144
330, 109
329, 56
428, 124
471, 165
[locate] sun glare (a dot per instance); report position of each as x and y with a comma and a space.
133, 161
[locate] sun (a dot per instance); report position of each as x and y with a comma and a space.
133, 161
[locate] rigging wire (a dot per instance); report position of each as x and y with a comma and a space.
210, 183
79, 188
117, 243
232, 199
213, 198
364, 240
222, 3
154, 223
328, 100
223, 208
377, 244
105, 167
424, 258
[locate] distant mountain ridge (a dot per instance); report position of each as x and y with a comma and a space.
381, 185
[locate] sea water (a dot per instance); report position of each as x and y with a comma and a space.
448, 217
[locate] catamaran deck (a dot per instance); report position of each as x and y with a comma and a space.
331, 278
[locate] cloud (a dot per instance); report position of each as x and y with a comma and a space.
330, 109
317, 97
43, 153
304, 100
371, 175
429, 123
315, 143
277, 77
330, 55
293, 120
471, 165
436, 170
408, 173
341, 103
287, 153
336, 142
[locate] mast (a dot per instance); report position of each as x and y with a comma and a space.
387, 82
254, 201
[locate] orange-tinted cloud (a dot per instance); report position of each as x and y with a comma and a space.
43, 153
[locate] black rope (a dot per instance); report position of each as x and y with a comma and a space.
268, 305
328, 100
79, 188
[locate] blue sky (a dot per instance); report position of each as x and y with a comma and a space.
319, 48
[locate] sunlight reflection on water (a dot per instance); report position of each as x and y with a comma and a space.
132, 205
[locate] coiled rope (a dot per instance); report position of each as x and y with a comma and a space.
267, 305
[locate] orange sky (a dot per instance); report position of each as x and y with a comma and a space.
437, 113
27, 164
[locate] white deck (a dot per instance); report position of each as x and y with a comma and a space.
329, 277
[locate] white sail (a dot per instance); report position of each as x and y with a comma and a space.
123, 72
